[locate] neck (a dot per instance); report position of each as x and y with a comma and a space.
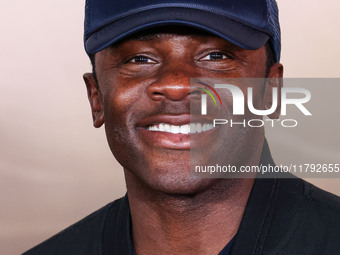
200, 223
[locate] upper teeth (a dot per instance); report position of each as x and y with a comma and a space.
184, 129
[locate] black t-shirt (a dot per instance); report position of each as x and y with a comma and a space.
110, 246
282, 217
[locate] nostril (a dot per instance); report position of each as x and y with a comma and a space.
156, 95
174, 92
195, 92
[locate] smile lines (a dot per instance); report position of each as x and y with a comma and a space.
183, 129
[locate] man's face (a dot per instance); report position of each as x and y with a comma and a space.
145, 82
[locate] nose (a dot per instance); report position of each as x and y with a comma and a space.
172, 85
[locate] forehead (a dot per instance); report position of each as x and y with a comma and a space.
163, 33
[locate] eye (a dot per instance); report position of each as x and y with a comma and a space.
142, 60
213, 56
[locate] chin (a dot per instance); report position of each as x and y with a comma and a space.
175, 183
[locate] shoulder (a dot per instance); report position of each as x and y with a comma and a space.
311, 216
309, 197
83, 237
324, 199
321, 210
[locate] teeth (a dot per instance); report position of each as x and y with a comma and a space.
167, 128
174, 129
198, 127
192, 128
153, 128
161, 127
184, 129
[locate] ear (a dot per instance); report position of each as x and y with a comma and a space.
274, 81
94, 96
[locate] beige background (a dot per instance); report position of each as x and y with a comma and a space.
55, 168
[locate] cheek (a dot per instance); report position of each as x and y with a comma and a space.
118, 104
255, 99
120, 100
255, 65
119, 128
124, 103
253, 95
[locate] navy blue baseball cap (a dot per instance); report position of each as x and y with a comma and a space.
249, 24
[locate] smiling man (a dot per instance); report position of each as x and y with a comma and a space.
143, 55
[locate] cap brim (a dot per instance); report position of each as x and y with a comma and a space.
231, 30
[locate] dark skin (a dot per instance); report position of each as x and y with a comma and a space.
146, 81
